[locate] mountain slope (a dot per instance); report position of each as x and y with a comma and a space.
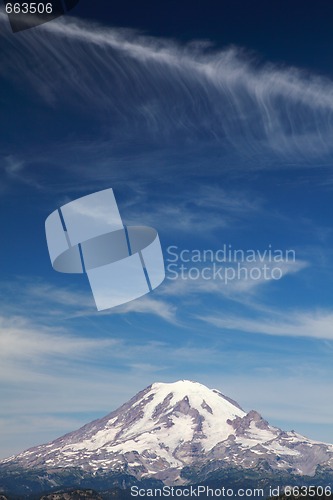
167, 427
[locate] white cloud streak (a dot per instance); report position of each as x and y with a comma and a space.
48, 301
313, 324
21, 339
240, 285
170, 89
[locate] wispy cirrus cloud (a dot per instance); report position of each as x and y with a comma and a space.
202, 208
315, 324
148, 305
62, 303
230, 280
159, 111
167, 89
22, 339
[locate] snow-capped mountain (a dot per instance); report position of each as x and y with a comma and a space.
167, 427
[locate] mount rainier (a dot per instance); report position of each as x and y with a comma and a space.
177, 433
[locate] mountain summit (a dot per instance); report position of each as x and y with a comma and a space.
167, 427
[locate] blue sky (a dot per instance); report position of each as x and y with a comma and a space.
214, 135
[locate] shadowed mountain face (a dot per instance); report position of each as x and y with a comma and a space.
168, 427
